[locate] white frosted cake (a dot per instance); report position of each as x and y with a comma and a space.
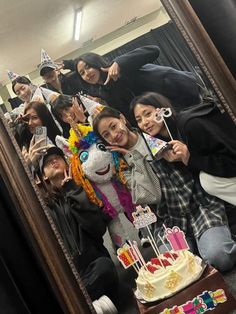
167, 274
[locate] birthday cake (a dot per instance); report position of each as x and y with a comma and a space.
167, 274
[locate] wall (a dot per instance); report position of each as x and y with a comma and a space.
106, 43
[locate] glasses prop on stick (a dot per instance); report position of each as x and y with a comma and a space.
160, 115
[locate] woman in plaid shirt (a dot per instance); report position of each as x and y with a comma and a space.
183, 202
204, 140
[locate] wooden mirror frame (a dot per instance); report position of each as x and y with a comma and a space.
34, 216
208, 57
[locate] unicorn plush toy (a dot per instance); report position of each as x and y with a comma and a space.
96, 169
99, 172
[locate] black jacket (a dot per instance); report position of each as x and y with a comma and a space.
80, 224
71, 84
211, 140
139, 76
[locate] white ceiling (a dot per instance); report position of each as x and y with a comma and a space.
26, 26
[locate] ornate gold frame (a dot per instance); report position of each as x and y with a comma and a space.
31, 209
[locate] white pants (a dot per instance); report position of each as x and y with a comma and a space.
224, 188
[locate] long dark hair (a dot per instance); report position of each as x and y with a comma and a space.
94, 61
45, 116
21, 80
59, 104
157, 101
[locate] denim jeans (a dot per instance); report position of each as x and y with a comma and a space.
217, 247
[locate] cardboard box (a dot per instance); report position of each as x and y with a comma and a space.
211, 281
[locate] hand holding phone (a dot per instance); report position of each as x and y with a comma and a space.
41, 135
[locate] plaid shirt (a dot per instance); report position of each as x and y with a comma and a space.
184, 203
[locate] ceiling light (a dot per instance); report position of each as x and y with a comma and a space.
78, 18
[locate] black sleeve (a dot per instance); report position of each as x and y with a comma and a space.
136, 58
181, 88
69, 65
89, 215
208, 152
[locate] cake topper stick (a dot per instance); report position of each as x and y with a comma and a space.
132, 253
136, 254
135, 246
160, 116
168, 130
154, 243
135, 268
154, 246
168, 250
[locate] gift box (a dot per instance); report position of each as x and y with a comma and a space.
209, 293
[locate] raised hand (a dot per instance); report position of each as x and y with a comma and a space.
113, 72
67, 176
181, 150
78, 110
60, 65
36, 150
22, 118
26, 156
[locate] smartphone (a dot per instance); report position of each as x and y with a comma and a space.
41, 134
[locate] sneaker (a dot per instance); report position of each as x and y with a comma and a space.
104, 305
145, 242
97, 307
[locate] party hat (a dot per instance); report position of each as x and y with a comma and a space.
46, 61
156, 145
49, 95
12, 76
92, 107
37, 96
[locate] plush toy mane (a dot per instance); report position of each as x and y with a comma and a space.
75, 144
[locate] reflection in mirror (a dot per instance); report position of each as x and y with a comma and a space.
95, 164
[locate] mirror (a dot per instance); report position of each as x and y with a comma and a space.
54, 257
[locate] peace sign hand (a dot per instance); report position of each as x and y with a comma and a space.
78, 110
67, 176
